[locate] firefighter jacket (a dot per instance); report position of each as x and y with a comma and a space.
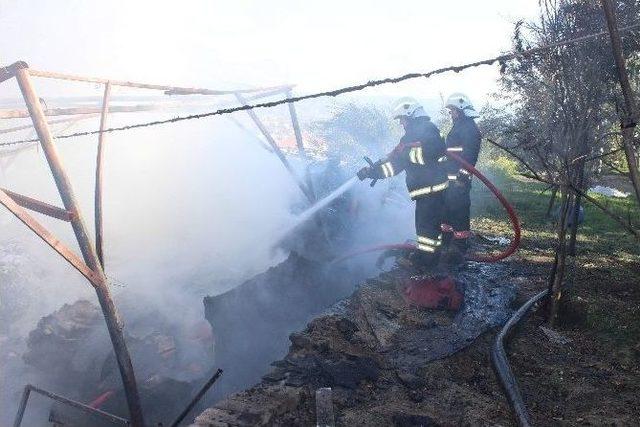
421, 154
464, 140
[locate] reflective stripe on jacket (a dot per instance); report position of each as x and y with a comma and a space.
421, 154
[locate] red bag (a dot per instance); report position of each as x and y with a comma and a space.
440, 292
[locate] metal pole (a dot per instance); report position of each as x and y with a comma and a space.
99, 162
23, 406
296, 127
64, 400
109, 311
276, 149
628, 122
197, 398
300, 142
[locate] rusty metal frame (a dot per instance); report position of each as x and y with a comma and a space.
38, 206
89, 265
81, 406
99, 175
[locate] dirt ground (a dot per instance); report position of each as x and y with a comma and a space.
585, 371
586, 374
592, 378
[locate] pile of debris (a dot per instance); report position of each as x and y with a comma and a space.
251, 322
71, 355
383, 358
251, 326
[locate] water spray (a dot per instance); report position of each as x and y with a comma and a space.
319, 205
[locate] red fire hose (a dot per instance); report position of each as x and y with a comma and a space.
509, 250
515, 242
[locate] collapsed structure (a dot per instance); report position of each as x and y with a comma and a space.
384, 336
91, 263
379, 356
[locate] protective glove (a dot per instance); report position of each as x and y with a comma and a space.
365, 172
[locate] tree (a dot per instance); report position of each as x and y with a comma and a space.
561, 108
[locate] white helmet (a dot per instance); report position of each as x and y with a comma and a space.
461, 101
408, 107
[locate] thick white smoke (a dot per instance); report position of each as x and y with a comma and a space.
191, 209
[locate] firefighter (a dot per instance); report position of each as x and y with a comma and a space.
421, 154
463, 139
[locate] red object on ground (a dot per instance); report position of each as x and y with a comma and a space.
434, 292
99, 401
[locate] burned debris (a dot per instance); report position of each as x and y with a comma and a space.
252, 321
306, 333
367, 348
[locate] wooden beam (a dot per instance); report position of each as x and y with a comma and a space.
300, 144
9, 71
277, 91
38, 206
268, 91
51, 122
296, 127
276, 149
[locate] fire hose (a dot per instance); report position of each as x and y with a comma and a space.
515, 223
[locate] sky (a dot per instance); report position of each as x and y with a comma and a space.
211, 43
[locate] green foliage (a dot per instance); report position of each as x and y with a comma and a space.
564, 102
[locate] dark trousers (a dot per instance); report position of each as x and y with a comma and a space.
429, 216
458, 205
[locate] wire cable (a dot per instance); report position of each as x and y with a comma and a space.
340, 91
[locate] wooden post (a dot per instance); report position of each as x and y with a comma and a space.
99, 161
276, 149
112, 318
628, 122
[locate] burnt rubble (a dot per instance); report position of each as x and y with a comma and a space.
381, 357
377, 353
252, 321
71, 353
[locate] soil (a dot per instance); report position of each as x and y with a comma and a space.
586, 371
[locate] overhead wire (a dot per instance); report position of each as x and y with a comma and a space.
348, 89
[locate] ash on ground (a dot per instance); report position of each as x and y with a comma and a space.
384, 361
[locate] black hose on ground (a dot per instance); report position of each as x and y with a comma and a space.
501, 363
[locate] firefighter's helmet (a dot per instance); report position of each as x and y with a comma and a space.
408, 107
462, 102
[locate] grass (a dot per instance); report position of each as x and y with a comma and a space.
605, 298
599, 233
